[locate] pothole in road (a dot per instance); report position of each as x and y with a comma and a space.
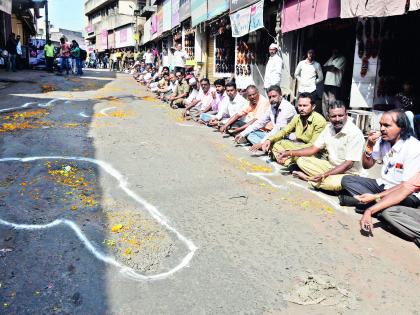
115, 221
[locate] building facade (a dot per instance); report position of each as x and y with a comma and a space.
110, 24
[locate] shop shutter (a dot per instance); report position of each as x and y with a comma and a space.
210, 59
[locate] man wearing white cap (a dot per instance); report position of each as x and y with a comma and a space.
273, 69
194, 89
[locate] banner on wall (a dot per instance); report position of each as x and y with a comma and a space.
147, 31
36, 51
175, 13
6, 6
198, 12
184, 9
247, 20
154, 24
104, 39
124, 37
160, 21
167, 16
239, 4
257, 16
216, 7
239, 22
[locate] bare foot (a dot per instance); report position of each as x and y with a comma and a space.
300, 175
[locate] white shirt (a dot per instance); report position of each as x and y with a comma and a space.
308, 75
179, 58
273, 71
400, 162
335, 78
92, 56
347, 145
192, 96
19, 48
228, 108
279, 119
148, 57
172, 85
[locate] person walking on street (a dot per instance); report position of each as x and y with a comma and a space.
18, 53
49, 55
334, 68
179, 59
75, 52
273, 69
92, 58
308, 74
11, 49
65, 55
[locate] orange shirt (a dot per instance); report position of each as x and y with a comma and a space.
256, 112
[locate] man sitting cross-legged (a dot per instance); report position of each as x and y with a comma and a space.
405, 220
181, 91
258, 106
229, 107
279, 115
344, 143
201, 101
218, 96
400, 153
306, 126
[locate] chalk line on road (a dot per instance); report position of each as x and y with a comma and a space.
103, 111
123, 184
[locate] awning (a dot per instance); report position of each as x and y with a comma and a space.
374, 8
300, 13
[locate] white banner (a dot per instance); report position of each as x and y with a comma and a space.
6, 6
240, 22
257, 16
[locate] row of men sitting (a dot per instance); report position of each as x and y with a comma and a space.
330, 156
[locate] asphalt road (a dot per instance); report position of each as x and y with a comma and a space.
110, 203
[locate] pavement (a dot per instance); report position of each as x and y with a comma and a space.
111, 203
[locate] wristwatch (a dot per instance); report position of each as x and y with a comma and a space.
377, 198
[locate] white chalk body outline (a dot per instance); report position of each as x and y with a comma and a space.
123, 184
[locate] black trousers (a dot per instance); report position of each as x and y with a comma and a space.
356, 185
49, 61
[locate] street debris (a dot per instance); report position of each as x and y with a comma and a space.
320, 289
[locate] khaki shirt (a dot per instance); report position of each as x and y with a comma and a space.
347, 145
182, 87
306, 134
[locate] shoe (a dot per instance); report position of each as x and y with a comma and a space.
348, 201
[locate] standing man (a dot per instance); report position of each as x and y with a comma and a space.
306, 126
18, 52
273, 69
11, 49
308, 74
148, 58
344, 143
49, 55
92, 58
179, 59
75, 52
65, 55
334, 68
279, 115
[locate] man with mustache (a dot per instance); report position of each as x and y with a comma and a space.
306, 127
344, 143
400, 153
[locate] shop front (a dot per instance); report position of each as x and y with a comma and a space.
253, 28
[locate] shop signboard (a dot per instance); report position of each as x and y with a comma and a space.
216, 7
124, 37
185, 9
240, 22
257, 16
36, 51
154, 24
198, 12
167, 15
160, 21
104, 39
147, 31
175, 13
235, 5
6, 6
